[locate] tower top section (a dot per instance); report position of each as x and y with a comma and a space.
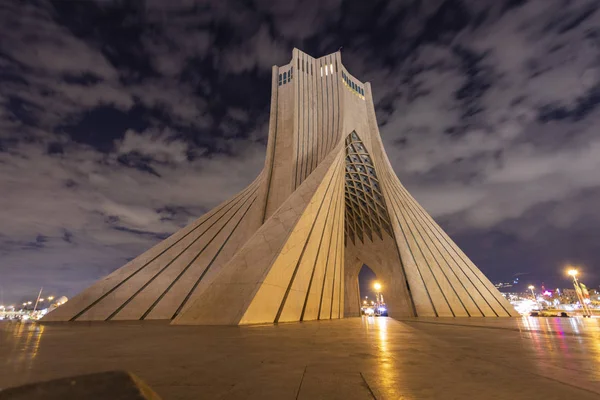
328, 67
297, 51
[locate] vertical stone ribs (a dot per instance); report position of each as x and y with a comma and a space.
366, 213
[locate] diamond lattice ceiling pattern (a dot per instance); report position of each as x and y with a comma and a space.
366, 214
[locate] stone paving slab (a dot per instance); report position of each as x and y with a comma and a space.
354, 358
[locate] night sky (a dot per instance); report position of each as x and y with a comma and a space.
120, 124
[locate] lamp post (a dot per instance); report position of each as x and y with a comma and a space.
531, 287
377, 287
573, 273
38, 299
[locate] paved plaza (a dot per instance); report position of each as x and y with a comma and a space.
355, 358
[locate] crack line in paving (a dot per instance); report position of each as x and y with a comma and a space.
301, 380
368, 387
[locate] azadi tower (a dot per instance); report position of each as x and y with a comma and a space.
289, 247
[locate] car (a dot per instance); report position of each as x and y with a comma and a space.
369, 311
382, 312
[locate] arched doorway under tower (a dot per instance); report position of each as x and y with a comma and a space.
371, 299
369, 236
366, 281
380, 257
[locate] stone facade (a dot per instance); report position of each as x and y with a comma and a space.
289, 247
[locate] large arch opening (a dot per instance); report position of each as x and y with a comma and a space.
372, 261
369, 237
371, 293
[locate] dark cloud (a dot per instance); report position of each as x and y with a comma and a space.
121, 122
101, 126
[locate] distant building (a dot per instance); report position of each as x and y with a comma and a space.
569, 296
503, 285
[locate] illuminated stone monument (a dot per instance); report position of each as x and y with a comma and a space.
289, 247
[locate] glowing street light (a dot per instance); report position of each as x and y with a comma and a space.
377, 287
573, 273
29, 302
531, 287
50, 298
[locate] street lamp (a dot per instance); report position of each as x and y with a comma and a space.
531, 287
50, 298
573, 273
377, 287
